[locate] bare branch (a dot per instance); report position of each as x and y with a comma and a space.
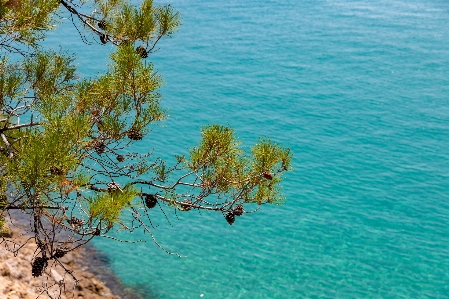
8, 145
20, 126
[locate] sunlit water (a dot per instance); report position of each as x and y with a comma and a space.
360, 91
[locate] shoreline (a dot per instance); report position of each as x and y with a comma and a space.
90, 267
97, 264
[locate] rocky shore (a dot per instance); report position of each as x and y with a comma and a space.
16, 281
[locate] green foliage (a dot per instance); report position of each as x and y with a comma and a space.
65, 141
3, 205
4, 228
128, 23
50, 74
11, 81
268, 158
42, 151
225, 168
219, 157
218, 145
268, 155
3, 201
107, 207
26, 21
126, 92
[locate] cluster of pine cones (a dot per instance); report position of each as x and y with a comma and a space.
38, 266
40, 263
238, 211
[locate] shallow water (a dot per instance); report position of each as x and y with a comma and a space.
359, 90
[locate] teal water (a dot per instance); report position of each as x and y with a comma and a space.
360, 91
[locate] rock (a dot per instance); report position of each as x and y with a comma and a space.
4, 269
95, 286
27, 253
86, 274
16, 281
56, 276
67, 258
69, 284
8, 287
14, 271
31, 295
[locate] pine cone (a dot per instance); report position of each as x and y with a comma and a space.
120, 158
102, 25
230, 218
103, 38
38, 266
99, 147
112, 186
59, 253
75, 221
186, 205
133, 134
142, 52
150, 201
56, 171
238, 210
267, 175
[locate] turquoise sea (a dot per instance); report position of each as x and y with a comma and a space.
360, 92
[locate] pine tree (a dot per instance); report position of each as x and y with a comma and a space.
64, 141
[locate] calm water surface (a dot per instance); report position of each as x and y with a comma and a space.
360, 91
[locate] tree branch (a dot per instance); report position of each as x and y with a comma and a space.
80, 16
8, 145
34, 207
20, 126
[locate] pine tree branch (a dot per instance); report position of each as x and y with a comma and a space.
80, 16
34, 207
8, 145
20, 126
